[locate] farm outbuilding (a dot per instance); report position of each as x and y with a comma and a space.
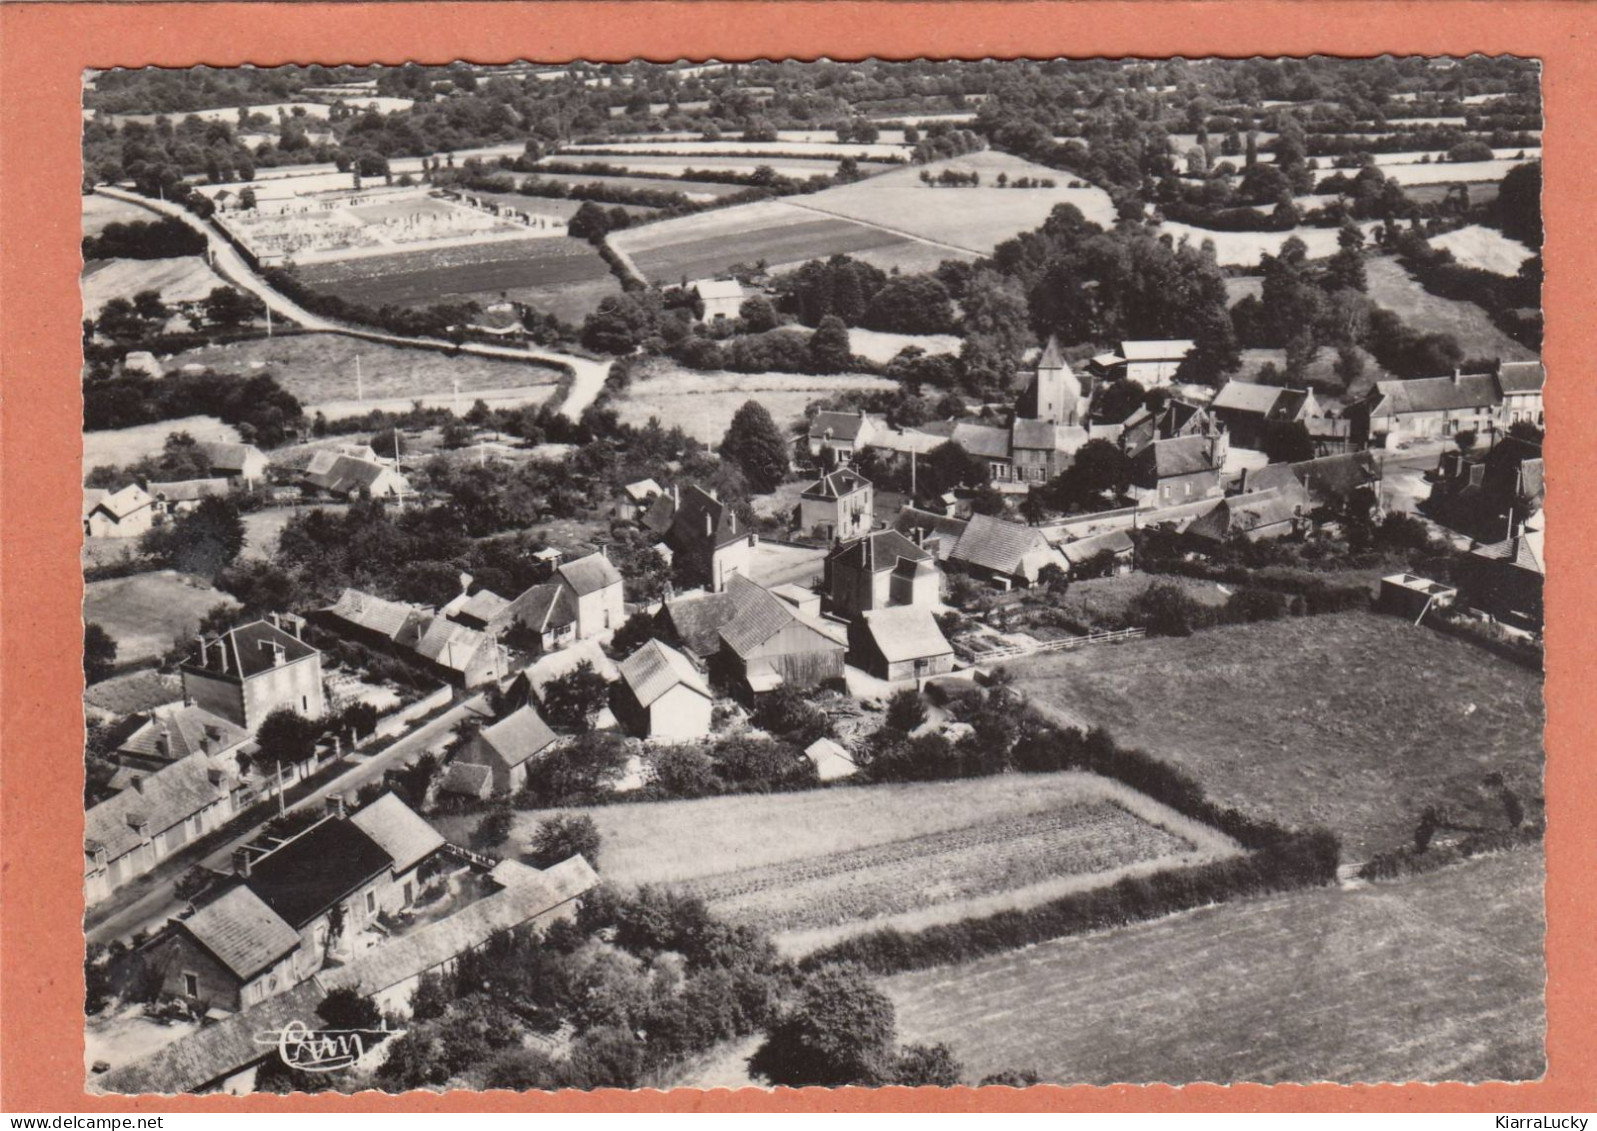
662, 695
900, 644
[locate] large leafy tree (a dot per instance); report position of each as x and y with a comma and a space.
841, 1030
204, 541
755, 444
564, 836
99, 653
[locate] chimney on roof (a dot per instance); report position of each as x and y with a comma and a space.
1458, 375
137, 782
604, 549
139, 823
465, 583
214, 775
241, 862
295, 623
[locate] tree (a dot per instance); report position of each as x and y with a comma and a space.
922, 1066
571, 700
905, 710
949, 466
1518, 207
911, 304
755, 444
99, 653
204, 541
348, 1010
829, 348
840, 1031
758, 314
287, 737
494, 827
564, 836
1099, 468
636, 631
227, 307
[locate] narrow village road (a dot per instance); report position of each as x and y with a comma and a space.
588, 376
150, 910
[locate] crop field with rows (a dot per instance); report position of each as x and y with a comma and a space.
903, 875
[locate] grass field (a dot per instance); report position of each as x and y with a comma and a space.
666, 165
186, 278
883, 347
693, 190
781, 234
788, 147
1448, 172
974, 219
1353, 721
98, 211
561, 276
1242, 249
1479, 193
1486, 248
121, 446
1394, 288
1106, 601
816, 865
1438, 977
703, 404
321, 367
144, 612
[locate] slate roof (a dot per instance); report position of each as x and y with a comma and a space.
982, 440
1244, 514
837, 484
170, 795
545, 606
1084, 549
699, 510
642, 490
878, 551
1521, 377
995, 544
697, 619
655, 669
185, 728
518, 736
836, 425
345, 475
228, 457
451, 645
945, 531
589, 574
398, 831
241, 931
374, 614
467, 778
1245, 396
906, 632
1436, 394
1051, 357
1523, 552
92, 498
321, 866
478, 609
553, 665
760, 616
1182, 455
250, 649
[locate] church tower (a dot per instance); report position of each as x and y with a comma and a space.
1059, 399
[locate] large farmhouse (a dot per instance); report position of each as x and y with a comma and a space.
248, 672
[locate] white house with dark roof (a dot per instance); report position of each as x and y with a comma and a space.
248, 672
1442, 407
244, 463
843, 432
596, 587
722, 298
348, 476
840, 504
184, 495
662, 695
1153, 363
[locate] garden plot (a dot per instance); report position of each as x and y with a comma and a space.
1485, 248
974, 220
820, 864
667, 165
1437, 977
693, 190
882, 347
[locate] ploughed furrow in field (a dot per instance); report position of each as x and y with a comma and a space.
1073, 840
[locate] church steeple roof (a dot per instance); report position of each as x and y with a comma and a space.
1051, 357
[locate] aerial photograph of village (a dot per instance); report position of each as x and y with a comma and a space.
716, 574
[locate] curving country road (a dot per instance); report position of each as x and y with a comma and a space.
588, 377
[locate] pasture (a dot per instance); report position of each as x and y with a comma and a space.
1485, 248
819, 864
121, 446
1449, 172
560, 276
975, 220
1242, 249
882, 347
1395, 289
820, 146
1437, 977
186, 278
703, 404
693, 190
1353, 721
779, 233
667, 165
99, 211
320, 368
144, 613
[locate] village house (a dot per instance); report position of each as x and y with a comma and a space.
1440, 407
1100, 555
878, 570
1176, 418
1148, 363
1247, 410
484, 610
596, 589
1519, 383
722, 298
547, 613
1183, 470
131, 832
1505, 579
172, 732
347, 476
662, 695
1006, 553
709, 545
232, 952
237, 463
126, 513
990, 444
464, 657
1336, 485
248, 672
841, 504
633, 500
1275, 513
183, 496
755, 640
1488, 492
845, 433
933, 531
900, 644
507, 746
531, 683
375, 620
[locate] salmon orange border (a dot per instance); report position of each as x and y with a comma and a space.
44, 47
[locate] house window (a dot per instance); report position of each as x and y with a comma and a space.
1187, 489
305, 704
371, 902
191, 984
